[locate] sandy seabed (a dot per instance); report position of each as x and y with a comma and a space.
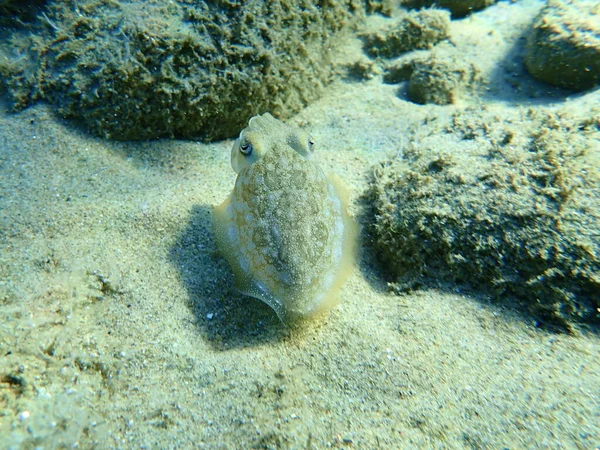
120, 326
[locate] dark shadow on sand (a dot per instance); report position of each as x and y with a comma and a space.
366, 259
227, 318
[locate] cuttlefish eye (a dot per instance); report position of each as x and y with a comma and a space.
311, 143
246, 148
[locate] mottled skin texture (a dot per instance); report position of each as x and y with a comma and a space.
284, 229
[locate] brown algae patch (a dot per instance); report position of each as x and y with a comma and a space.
563, 46
284, 229
416, 30
498, 208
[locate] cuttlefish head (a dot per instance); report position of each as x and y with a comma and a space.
261, 135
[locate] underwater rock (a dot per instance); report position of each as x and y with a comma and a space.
563, 47
400, 69
441, 79
416, 30
144, 70
284, 229
510, 209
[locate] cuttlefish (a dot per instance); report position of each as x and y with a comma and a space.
285, 229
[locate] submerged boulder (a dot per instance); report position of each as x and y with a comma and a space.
507, 208
415, 30
563, 46
143, 70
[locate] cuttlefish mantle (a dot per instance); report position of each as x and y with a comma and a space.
285, 229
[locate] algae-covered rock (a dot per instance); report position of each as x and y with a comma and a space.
416, 30
17, 71
148, 69
488, 204
441, 79
361, 69
563, 47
